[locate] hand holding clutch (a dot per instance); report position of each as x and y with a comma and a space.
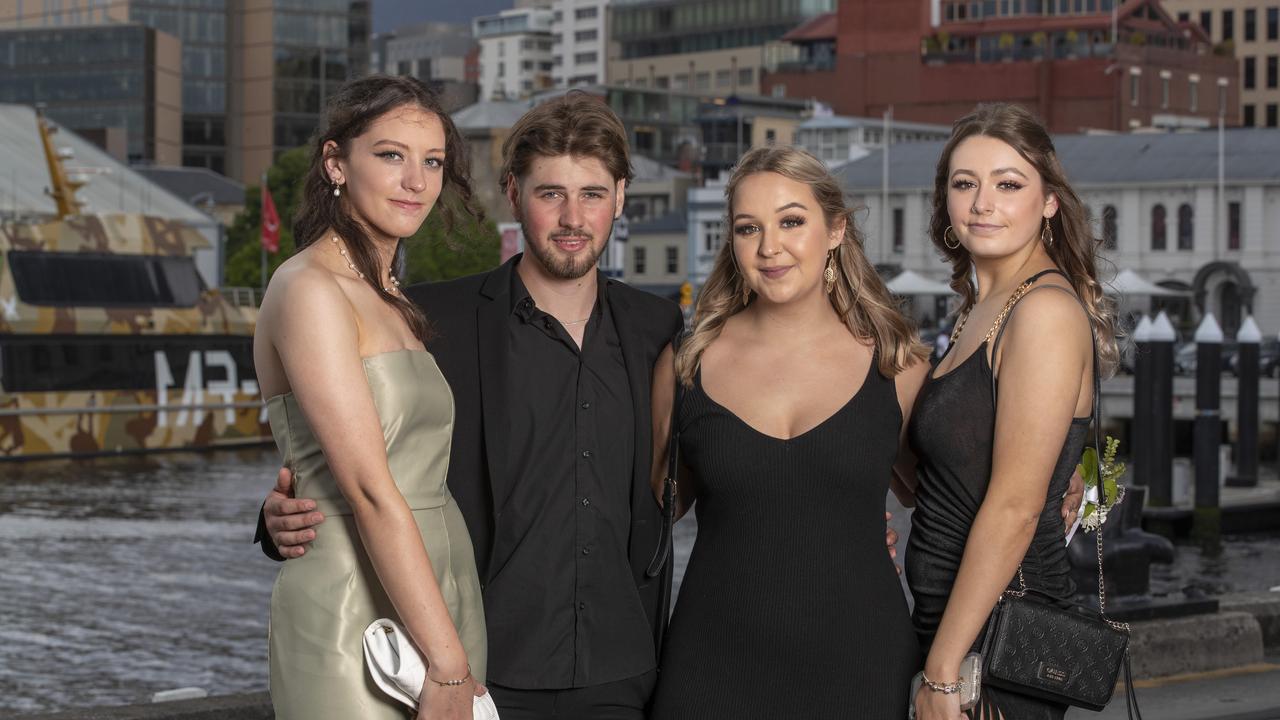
398, 669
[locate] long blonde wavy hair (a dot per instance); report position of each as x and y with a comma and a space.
859, 295
1074, 249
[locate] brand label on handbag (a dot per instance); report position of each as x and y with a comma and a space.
1052, 674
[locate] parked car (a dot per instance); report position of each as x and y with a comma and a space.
1185, 360
1268, 359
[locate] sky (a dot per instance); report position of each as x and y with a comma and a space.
390, 14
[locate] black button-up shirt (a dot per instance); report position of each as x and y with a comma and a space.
564, 606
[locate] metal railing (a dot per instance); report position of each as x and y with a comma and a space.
242, 296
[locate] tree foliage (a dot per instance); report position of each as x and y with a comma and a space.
433, 253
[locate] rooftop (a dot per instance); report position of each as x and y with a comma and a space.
193, 184
822, 27
490, 114
1251, 154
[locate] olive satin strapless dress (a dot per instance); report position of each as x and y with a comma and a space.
322, 601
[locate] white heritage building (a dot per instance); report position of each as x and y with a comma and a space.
1154, 202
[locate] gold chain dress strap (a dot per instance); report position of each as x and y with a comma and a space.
1000, 318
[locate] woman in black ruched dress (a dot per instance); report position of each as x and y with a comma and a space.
790, 423
999, 425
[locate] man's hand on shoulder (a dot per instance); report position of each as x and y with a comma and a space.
290, 521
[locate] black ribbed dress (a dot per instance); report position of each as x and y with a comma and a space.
790, 606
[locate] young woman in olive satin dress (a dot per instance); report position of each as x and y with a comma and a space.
363, 418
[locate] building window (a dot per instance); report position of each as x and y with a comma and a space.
746, 76
724, 78
1249, 118
1206, 22
1272, 72
1250, 25
1164, 92
1157, 228
899, 231
662, 82
1228, 25
638, 255
1273, 23
770, 136
586, 13
1109, 231
1193, 94
681, 81
1233, 226
585, 35
1135, 85
702, 81
1271, 115
585, 58
1250, 72
1186, 233
714, 235
673, 259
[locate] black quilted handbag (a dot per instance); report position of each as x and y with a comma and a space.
1039, 646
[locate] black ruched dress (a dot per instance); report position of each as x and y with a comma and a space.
790, 607
952, 433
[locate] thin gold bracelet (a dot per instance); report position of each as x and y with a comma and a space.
950, 688
453, 683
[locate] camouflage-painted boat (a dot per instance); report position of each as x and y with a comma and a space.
111, 343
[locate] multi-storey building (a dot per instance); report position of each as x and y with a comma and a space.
1164, 220
439, 54
516, 52
580, 42
1078, 64
704, 46
255, 73
120, 81
1252, 29
835, 139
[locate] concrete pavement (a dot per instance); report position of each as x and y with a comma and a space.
1247, 693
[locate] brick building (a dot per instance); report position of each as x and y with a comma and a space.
932, 60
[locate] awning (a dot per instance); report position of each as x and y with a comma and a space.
913, 283
1128, 282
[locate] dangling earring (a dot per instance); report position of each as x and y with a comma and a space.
947, 235
1046, 235
829, 275
746, 294
337, 189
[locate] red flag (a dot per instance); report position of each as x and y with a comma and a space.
270, 222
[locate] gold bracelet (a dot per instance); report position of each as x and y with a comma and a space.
950, 688
453, 683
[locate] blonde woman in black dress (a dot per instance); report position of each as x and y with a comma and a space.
994, 465
797, 380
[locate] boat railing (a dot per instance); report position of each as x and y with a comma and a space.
248, 297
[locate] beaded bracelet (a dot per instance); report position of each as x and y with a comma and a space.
453, 683
950, 688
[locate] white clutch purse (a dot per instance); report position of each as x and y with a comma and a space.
398, 669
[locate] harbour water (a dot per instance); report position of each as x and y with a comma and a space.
122, 577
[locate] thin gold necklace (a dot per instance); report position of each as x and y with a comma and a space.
393, 288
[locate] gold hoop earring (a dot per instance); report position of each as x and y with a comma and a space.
829, 274
1046, 234
947, 235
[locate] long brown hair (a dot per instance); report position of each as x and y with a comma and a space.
859, 296
356, 106
1074, 249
